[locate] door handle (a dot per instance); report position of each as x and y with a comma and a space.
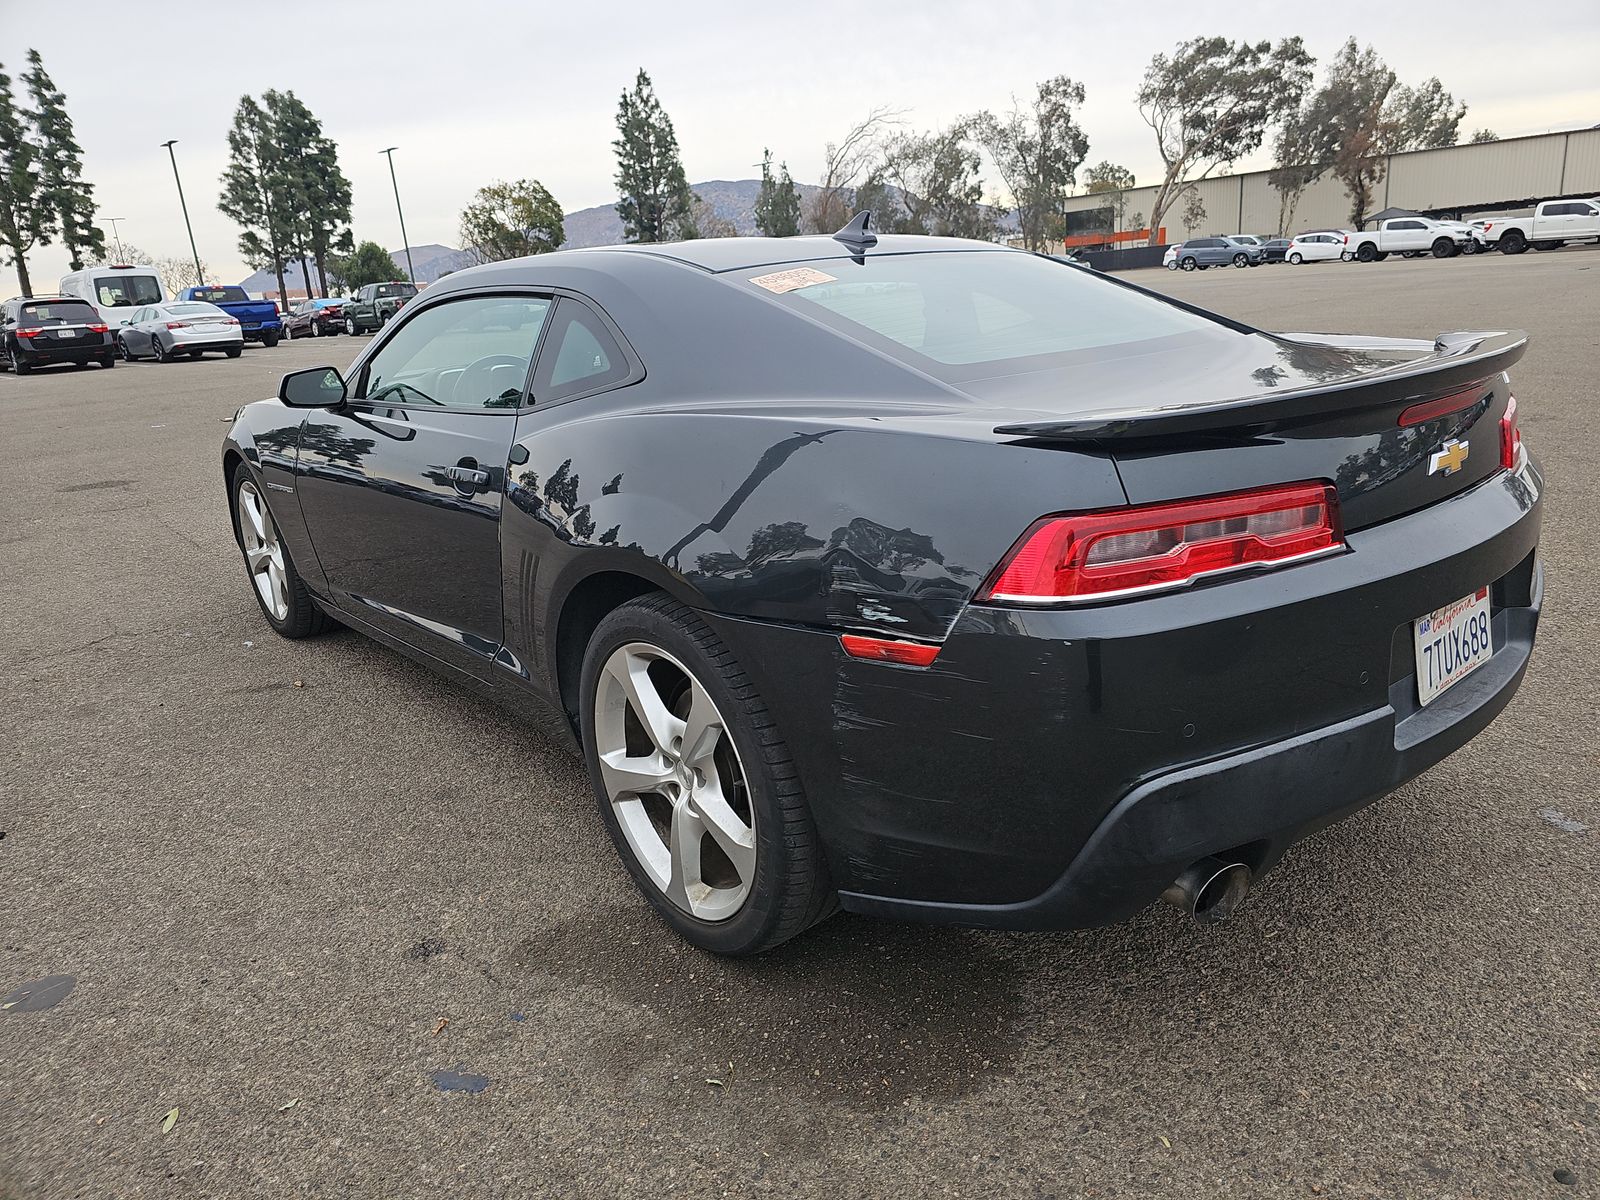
469, 476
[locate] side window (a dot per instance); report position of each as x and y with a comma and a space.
579, 355
468, 354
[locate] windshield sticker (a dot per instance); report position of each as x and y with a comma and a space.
780, 282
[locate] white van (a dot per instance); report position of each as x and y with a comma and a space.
116, 292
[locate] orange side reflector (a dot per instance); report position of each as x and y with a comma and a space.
910, 654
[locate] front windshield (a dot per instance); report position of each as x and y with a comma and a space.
127, 291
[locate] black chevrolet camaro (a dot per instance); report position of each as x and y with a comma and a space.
920, 577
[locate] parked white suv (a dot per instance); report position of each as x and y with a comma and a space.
1315, 247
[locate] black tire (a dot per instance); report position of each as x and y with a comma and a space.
122, 348
1470, 246
1444, 248
160, 350
350, 326
270, 339
22, 368
1381, 255
1366, 253
1241, 260
304, 618
1189, 264
792, 890
316, 329
231, 352
1296, 258
1513, 242
108, 361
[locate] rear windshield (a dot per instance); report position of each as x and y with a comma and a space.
964, 308
395, 289
57, 312
192, 310
127, 291
234, 295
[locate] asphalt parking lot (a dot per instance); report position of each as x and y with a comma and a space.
367, 937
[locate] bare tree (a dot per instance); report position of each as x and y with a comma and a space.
178, 273
844, 161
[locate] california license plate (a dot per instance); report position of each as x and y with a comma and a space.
66, 333
1452, 643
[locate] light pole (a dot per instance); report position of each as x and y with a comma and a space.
199, 271
410, 270
115, 236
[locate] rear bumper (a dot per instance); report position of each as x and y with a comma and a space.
1251, 806
1058, 768
63, 354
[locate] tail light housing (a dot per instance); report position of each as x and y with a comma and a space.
177, 324
1510, 437
29, 333
1155, 547
99, 329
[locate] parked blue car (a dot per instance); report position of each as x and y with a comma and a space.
1200, 253
258, 319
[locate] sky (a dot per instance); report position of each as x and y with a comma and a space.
472, 92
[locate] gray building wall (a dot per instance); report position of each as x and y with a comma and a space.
1505, 173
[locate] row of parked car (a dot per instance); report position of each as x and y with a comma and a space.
103, 313
1551, 225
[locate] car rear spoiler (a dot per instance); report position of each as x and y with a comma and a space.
1458, 360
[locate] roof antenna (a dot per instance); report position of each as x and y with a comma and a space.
858, 234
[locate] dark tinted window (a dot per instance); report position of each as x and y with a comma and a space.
234, 295
976, 307
470, 353
579, 355
394, 289
57, 312
127, 291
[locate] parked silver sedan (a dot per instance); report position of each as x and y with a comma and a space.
164, 331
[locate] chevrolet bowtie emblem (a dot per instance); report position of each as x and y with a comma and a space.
1447, 459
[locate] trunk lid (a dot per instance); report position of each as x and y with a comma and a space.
1278, 409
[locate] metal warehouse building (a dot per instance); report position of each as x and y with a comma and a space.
1447, 182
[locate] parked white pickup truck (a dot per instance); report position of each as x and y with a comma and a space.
1554, 223
1410, 235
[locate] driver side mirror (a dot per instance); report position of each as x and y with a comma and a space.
316, 387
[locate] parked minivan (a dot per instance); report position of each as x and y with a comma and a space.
116, 292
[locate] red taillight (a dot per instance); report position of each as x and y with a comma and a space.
908, 654
177, 324
1443, 406
99, 329
29, 333
231, 321
1510, 437
1347, 239
1101, 555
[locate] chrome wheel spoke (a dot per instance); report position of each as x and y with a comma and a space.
738, 840
633, 673
626, 777
702, 728
684, 886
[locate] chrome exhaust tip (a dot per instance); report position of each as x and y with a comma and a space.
1209, 890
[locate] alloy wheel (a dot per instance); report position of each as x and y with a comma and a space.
673, 777
263, 552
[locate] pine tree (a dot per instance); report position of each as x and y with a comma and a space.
23, 219
257, 191
63, 193
778, 202
650, 178
319, 195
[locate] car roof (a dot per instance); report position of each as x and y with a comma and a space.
741, 253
